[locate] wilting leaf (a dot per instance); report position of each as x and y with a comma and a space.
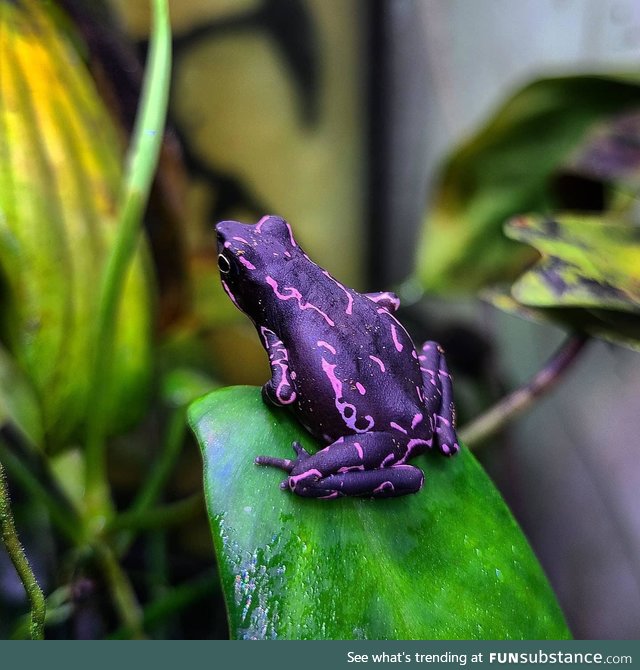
586, 262
506, 169
449, 562
60, 170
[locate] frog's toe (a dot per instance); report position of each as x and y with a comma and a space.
301, 452
285, 464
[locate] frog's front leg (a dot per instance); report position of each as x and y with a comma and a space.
279, 390
438, 397
367, 464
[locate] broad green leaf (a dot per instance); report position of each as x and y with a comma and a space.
449, 562
621, 328
586, 262
60, 171
505, 169
18, 402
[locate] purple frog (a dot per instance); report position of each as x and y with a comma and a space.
344, 365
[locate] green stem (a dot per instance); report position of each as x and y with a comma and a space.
141, 164
59, 609
122, 593
64, 516
159, 517
152, 488
522, 398
20, 562
174, 601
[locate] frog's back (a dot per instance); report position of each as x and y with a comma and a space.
356, 369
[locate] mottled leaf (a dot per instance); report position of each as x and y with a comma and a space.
621, 328
60, 171
610, 152
506, 169
449, 562
586, 262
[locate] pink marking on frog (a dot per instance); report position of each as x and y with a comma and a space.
275, 350
387, 459
411, 447
416, 420
248, 264
394, 300
385, 486
227, 290
393, 424
350, 468
326, 345
287, 254
239, 239
396, 341
420, 395
227, 244
375, 359
261, 222
293, 242
361, 389
333, 494
349, 309
358, 447
293, 481
413, 353
341, 405
294, 294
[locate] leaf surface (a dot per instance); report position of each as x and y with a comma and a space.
60, 173
449, 562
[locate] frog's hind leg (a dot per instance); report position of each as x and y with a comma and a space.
438, 392
367, 464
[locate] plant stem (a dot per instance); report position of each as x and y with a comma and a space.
136, 516
62, 512
176, 599
141, 164
519, 400
20, 562
159, 517
122, 593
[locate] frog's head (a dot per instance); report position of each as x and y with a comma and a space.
250, 256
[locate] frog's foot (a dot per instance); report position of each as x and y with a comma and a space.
367, 464
285, 464
394, 481
438, 397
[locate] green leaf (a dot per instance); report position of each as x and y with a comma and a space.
588, 279
586, 262
60, 173
449, 562
18, 402
621, 328
505, 169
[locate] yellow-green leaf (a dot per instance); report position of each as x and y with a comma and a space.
586, 262
60, 171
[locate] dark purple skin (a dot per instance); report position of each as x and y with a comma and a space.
342, 363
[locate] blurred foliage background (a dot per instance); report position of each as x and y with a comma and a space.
390, 133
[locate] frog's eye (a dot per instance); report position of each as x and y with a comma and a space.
223, 264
